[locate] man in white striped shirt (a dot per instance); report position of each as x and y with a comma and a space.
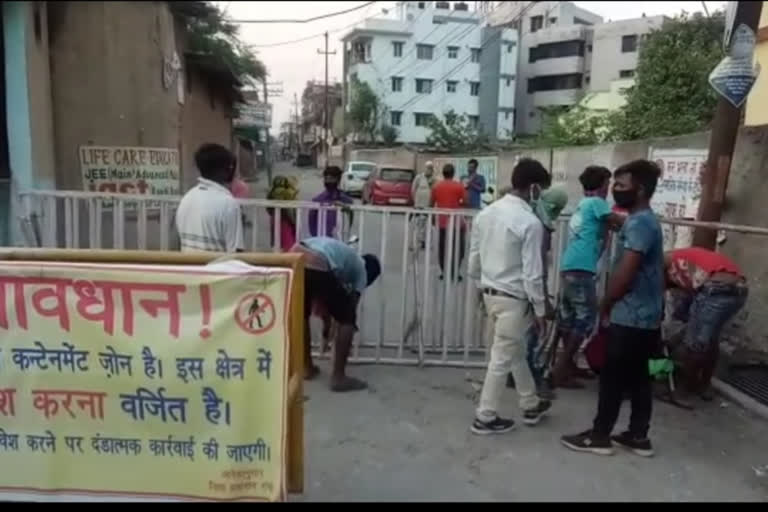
208, 218
505, 256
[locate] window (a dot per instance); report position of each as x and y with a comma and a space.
555, 82
424, 51
397, 84
453, 52
423, 86
537, 22
474, 121
628, 44
437, 21
579, 21
450, 85
475, 54
553, 21
589, 48
395, 117
421, 119
626, 73
397, 49
556, 50
361, 52
586, 79
474, 88
510, 47
421, 5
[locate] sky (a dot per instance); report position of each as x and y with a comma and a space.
296, 63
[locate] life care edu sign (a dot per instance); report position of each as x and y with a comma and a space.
143, 381
130, 170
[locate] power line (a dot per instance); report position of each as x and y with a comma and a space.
313, 36
308, 20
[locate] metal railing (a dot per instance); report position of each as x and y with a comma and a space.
410, 316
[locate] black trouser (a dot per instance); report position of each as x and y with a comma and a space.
441, 242
626, 371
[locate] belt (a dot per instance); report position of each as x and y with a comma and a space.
498, 293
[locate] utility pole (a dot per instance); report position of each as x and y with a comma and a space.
267, 154
296, 122
326, 119
722, 141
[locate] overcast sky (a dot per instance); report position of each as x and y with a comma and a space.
294, 64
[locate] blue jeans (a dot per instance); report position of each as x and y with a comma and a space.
578, 304
712, 306
531, 340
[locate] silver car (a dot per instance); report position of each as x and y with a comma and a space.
355, 176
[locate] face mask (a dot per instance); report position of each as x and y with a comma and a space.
331, 186
625, 198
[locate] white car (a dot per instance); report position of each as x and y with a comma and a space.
355, 177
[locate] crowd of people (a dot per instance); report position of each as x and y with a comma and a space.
508, 257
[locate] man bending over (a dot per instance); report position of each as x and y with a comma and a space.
335, 277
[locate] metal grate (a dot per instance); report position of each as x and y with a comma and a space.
749, 379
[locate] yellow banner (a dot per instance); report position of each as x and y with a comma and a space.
143, 381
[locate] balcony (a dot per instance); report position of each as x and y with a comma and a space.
557, 66
557, 97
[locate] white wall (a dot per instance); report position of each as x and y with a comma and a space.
384, 65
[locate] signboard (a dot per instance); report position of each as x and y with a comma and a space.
487, 166
679, 190
130, 170
143, 381
254, 115
734, 76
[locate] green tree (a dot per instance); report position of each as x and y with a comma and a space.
209, 32
672, 95
365, 109
389, 134
454, 132
576, 126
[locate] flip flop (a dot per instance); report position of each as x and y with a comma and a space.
348, 384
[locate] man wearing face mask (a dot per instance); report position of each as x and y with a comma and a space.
208, 218
633, 308
505, 256
331, 195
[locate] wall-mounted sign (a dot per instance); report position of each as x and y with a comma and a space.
130, 170
254, 115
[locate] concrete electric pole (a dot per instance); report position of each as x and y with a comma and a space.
326, 120
725, 127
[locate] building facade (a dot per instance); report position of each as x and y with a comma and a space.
432, 57
566, 53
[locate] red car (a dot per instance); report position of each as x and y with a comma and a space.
389, 186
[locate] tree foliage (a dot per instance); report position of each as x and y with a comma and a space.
672, 95
365, 109
577, 126
389, 134
454, 132
209, 32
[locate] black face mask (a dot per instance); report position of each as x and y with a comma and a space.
625, 198
331, 186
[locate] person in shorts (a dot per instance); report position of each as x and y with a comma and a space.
711, 289
587, 234
335, 276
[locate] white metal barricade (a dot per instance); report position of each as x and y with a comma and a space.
415, 314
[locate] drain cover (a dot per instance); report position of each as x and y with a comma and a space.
749, 379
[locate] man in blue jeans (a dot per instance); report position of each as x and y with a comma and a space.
587, 232
633, 307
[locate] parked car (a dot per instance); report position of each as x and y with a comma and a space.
389, 185
355, 177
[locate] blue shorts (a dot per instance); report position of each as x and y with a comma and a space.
577, 311
712, 306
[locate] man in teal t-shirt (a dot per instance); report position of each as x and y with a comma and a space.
587, 232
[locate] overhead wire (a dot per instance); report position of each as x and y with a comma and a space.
308, 20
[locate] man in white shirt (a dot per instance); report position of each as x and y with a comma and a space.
505, 256
208, 218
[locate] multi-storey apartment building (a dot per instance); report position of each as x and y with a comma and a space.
432, 57
567, 52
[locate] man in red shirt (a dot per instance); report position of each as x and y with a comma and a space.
449, 194
711, 289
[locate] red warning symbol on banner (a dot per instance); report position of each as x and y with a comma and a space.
255, 313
